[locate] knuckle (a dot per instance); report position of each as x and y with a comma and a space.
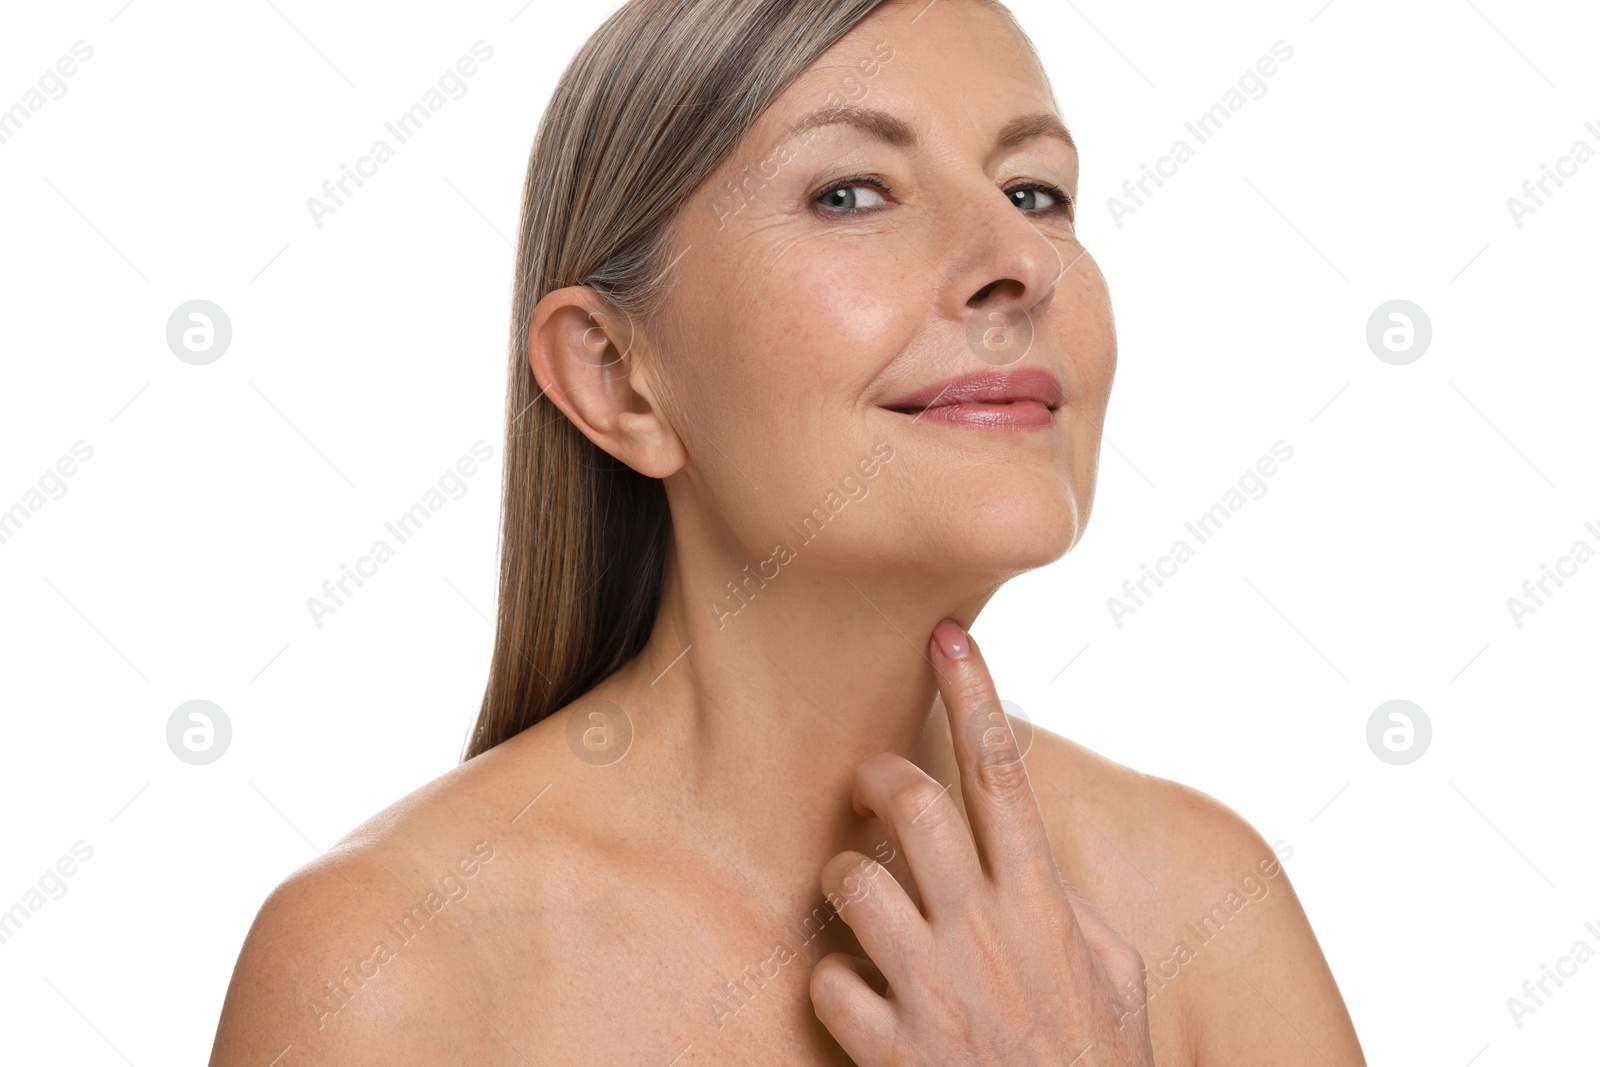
972, 910
1051, 918
975, 690
994, 745
1001, 770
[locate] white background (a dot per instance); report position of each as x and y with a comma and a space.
368, 355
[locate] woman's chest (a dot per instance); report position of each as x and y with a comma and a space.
628, 974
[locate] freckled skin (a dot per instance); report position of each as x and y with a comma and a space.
809, 323
637, 908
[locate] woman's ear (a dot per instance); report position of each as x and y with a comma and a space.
584, 353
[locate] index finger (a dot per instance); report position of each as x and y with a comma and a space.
1006, 821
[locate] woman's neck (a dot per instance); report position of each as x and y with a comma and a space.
751, 717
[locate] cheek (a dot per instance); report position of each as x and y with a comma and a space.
1088, 338
776, 395
811, 329
838, 306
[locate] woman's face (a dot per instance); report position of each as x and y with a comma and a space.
826, 275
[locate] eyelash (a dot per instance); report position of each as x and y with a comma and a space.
1065, 203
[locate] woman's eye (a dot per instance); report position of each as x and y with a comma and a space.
847, 197
853, 196
1027, 198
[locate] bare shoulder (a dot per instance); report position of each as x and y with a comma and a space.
1186, 833
375, 937
1206, 900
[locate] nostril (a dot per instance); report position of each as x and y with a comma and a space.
983, 294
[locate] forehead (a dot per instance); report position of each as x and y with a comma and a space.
920, 59
953, 79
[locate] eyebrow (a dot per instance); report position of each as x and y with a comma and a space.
885, 127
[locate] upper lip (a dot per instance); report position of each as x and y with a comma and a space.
984, 387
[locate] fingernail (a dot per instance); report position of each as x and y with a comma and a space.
953, 641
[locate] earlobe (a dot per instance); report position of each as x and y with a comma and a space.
583, 353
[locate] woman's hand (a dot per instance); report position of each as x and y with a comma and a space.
1009, 965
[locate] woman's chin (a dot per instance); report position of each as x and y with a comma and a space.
1020, 535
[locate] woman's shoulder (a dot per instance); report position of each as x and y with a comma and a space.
1204, 897
389, 925
1191, 830
1164, 849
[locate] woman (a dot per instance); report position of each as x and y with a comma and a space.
808, 362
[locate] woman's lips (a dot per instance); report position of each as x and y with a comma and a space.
1023, 399
1015, 416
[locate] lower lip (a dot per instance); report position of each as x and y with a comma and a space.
1020, 415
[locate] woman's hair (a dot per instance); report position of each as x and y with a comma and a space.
646, 111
